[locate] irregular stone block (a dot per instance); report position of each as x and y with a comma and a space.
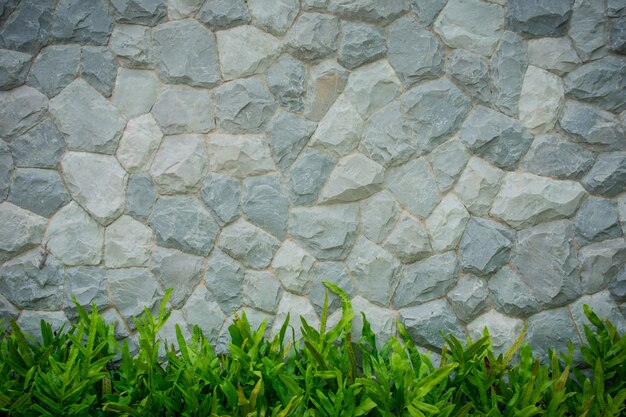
285, 79
183, 109
427, 10
293, 266
132, 44
600, 82
592, 126
379, 215
340, 129
265, 203
382, 321
334, 272
20, 230
28, 28
511, 295
54, 68
551, 329
262, 290
287, 135
446, 223
478, 185
14, 66
30, 322
177, 270
485, 246
608, 174
88, 284
132, 290
135, 91
508, 66
222, 14
355, 177
139, 143
288, 304
360, 43
307, 176
325, 83
447, 161
243, 106
419, 197
596, 220
241, 156
371, 87
426, 322
600, 262
408, 241
140, 196
541, 100
202, 310
537, 18
468, 298
23, 107
589, 29
6, 169
127, 242
313, 36
618, 286
245, 50
552, 156
603, 306
86, 22
40, 147
274, 16
38, 190
99, 69
553, 54
224, 278
222, 195
143, 12
248, 244
471, 70
370, 10
180, 164
618, 36
180, 9
503, 330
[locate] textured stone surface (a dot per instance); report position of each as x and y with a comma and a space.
307, 176
313, 36
508, 65
139, 143
545, 259
427, 10
368, 9
608, 174
24, 107
540, 100
525, 199
132, 290
265, 203
478, 185
240, 156
274, 16
419, 197
135, 91
324, 84
87, 22
222, 14
371, 87
180, 164
140, 196
334, 272
38, 190
54, 68
293, 266
485, 246
262, 290
98, 68
132, 45
551, 155
447, 161
6, 169
409, 239
327, 232
224, 278
600, 82
180, 9
222, 195
379, 215
354, 178
589, 29
28, 28
551, 329
244, 105
288, 304
287, 135
426, 280
202, 310
181, 222
14, 66
539, 17
503, 330
360, 43
618, 36
40, 147
182, 109
248, 244
96, 182
145, 12
286, 80
511, 295
592, 126
425, 322
88, 285
618, 286
600, 262
604, 307
446, 223
87, 120
30, 322
553, 54
20, 230
469, 297
245, 50
127, 242
339, 131
597, 220
177, 270
471, 70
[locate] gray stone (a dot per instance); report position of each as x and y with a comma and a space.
334, 272
478, 185
603, 306
14, 66
222, 14
96, 182
554, 54
615, 8
608, 174
382, 321
471, 70
379, 215
503, 330
325, 83
86, 22
508, 65
541, 100
241, 156
139, 143
262, 290
313, 36
551, 329
74, 237
23, 107
88, 284
435, 110
589, 29
88, 121
470, 24
6, 169
446, 223
545, 259
600, 262
243, 106
414, 186
21, 230
592, 126
136, 91
327, 232
195, 64
372, 86
287, 135
245, 50
27, 29
313, 4
538, 18
98, 68
374, 270
54, 68
40, 147
597, 220
618, 286
371, 10
248, 244
180, 164
409, 240
354, 178
360, 43
38, 190
427, 10
224, 278
167, 333
511, 295
177, 270
498, 138
132, 44
414, 53
525, 199
388, 138
140, 196
447, 161
601, 82
127, 242
621, 207
485, 246
426, 322
293, 265
618, 35
340, 129
222, 194
28, 286
181, 222
132, 290
143, 12
183, 109
285, 79
265, 203
274, 16
201, 310
469, 297
553, 156
307, 176
426, 280
30, 322
288, 304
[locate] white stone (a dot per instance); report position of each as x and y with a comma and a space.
340, 129
541, 100
245, 50
478, 185
446, 223
127, 242
292, 265
135, 91
372, 86
503, 330
180, 164
241, 156
355, 177
139, 143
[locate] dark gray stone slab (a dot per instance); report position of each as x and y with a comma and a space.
87, 22
307, 176
426, 322
485, 246
618, 35
553, 156
54, 68
14, 66
222, 195
508, 66
608, 175
472, 71
592, 126
601, 82
285, 79
28, 28
265, 203
539, 17
313, 36
141, 195
511, 295
38, 190
360, 43
40, 147
6, 169
224, 278
597, 220
287, 135
99, 69
223, 14
143, 12
243, 106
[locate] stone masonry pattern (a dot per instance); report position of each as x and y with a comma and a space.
452, 164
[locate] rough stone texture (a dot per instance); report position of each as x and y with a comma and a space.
426, 280
526, 199
135, 91
87, 22
418, 197
374, 270
265, 203
313, 36
472, 71
545, 259
88, 285
485, 246
181, 222
40, 147
409, 240
334, 272
597, 220
54, 68
262, 290
540, 100
180, 164
325, 83
87, 120
185, 52
222, 195
478, 185
274, 16
140, 196
551, 329
20, 230
14, 66
414, 53
371, 87
292, 265
327, 232
553, 54
470, 24
96, 182
354, 178
248, 244
139, 143
360, 43
244, 105
589, 29
127, 242
307, 176
28, 28
338, 132
286, 80
23, 107
288, 304
379, 215
427, 10
538, 18
447, 161
608, 174
511, 295
618, 36
551, 155
369, 9
222, 14
618, 286
224, 278
446, 223
132, 44
592, 126
600, 82
245, 50
604, 307
469, 297
600, 262
132, 290
29, 322
177, 270
38, 190
98, 68
6, 169
240, 156
182, 109
508, 65
287, 135
144, 12
202, 310
426, 321
503, 330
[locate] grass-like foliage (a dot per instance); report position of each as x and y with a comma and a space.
83, 371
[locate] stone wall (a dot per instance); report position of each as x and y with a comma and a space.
452, 164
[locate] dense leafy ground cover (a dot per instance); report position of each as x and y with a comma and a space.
83, 371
